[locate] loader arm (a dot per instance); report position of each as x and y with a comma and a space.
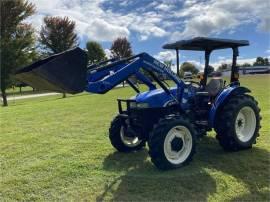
103, 79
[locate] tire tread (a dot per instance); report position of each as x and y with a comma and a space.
156, 141
225, 131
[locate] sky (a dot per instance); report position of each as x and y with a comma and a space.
150, 24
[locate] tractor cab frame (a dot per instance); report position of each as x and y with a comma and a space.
208, 45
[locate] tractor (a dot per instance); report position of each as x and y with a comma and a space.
170, 118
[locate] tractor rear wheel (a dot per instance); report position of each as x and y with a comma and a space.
120, 140
238, 123
172, 142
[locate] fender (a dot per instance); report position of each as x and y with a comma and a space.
222, 97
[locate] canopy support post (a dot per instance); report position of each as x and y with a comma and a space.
177, 62
206, 67
234, 73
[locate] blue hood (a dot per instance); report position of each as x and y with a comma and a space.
155, 98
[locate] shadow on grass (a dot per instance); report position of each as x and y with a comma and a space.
250, 167
141, 181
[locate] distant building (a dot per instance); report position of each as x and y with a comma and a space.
249, 70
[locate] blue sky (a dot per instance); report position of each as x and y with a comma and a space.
150, 24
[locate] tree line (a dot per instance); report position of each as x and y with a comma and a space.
21, 45
189, 67
260, 61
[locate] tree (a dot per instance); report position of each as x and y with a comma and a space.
57, 35
121, 48
246, 65
260, 61
223, 67
17, 40
95, 52
266, 61
188, 67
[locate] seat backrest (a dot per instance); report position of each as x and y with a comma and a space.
214, 86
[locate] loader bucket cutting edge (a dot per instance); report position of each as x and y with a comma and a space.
64, 72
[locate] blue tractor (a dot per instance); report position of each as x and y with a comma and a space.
169, 119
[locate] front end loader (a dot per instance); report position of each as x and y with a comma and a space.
169, 118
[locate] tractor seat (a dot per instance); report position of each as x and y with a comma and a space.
214, 86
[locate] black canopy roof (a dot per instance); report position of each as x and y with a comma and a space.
204, 43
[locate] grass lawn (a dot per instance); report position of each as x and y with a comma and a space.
58, 149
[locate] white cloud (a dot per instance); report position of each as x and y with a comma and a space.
124, 3
97, 23
264, 26
108, 53
165, 55
216, 16
164, 7
170, 55
147, 25
158, 18
190, 2
221, 57
103, 31
91, 20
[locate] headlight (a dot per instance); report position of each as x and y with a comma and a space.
142, 105
138, 105
133, 104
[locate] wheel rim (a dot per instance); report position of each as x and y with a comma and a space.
129, 141
245, 124
178, 151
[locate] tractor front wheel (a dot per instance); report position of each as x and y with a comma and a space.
238, 123
120, 140
172, 142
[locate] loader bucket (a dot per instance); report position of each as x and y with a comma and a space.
64, 72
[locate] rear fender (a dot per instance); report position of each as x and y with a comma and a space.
221, 99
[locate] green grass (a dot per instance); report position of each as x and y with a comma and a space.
58, 149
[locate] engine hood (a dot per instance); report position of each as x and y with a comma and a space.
155, 98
